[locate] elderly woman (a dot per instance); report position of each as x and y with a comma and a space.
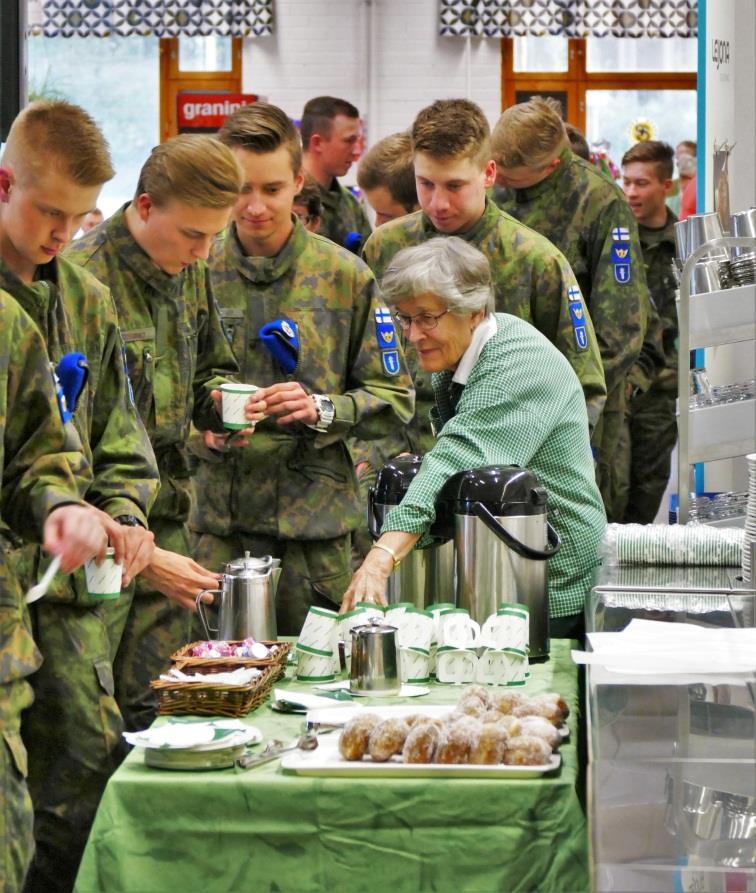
504, 396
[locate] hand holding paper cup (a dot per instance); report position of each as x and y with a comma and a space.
104, 581
234, 398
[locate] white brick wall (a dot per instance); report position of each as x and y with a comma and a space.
383, 55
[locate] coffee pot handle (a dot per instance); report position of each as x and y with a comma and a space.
201, 613
555, 543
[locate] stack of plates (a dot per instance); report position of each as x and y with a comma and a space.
750, 525
743, 269
183, 743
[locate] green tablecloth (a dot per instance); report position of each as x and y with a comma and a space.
263, 830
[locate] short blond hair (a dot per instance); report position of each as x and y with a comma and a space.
453, 128
62, 136
195, 169
389, 163
261, 128
529, 134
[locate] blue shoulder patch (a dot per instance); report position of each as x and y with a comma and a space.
390, 360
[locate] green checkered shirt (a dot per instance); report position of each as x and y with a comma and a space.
522, 405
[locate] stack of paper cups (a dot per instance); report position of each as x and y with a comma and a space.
318, 646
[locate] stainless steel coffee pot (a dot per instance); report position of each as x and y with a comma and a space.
425, 576
502, 539
375, 663
247, 600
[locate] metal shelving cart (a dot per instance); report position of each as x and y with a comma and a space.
720, 431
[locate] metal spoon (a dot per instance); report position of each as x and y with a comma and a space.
274, 749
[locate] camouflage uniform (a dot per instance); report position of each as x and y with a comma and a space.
292, 491
73, 731
41, 467
532, 281
176, 354
651, 422
587, 217
341, 215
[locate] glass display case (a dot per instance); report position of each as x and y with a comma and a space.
672, 759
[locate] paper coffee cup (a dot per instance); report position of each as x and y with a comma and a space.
314, 665
320, 629
455, 665
104, 581
234, 399
414, 665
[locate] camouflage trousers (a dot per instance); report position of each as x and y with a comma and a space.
605, 440
73, 730
313, 572
154, 629
19, 657
644, 452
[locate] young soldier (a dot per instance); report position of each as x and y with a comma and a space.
330, 131
532, 280
548, 188
53, 167
42, 474
151, 254
386, 174
646, 181
311, 333
307, 205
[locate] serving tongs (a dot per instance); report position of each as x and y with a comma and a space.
308, 740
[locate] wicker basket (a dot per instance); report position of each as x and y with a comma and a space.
206, 699
183, 659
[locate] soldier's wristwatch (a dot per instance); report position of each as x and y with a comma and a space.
326, 412
129, 521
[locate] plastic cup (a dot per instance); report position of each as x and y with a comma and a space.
234, 399
104, 581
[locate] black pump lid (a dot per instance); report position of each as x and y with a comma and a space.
393, 480
502, 489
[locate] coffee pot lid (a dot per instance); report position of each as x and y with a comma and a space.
393, 480
503, 489
373, 626
249, 566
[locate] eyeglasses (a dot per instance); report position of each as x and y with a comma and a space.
423, 321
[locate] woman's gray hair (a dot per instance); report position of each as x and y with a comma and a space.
445, 266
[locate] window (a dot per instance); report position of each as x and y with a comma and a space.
607, 83
116, 79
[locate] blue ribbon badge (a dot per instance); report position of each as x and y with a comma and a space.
280, 337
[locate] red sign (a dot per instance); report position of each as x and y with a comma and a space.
208, 111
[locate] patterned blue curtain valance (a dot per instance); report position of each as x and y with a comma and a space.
157, 18
568, 18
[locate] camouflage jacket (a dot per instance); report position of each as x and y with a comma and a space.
659, 250
175, 348
42, 463
532, 281
342, 214
75, 312
292, 482
588, 219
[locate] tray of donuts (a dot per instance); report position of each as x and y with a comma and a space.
499, 734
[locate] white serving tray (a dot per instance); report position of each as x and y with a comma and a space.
327, 760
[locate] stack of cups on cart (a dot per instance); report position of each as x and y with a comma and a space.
441, 641
749, 572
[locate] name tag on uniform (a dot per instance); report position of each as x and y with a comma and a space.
145, 334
